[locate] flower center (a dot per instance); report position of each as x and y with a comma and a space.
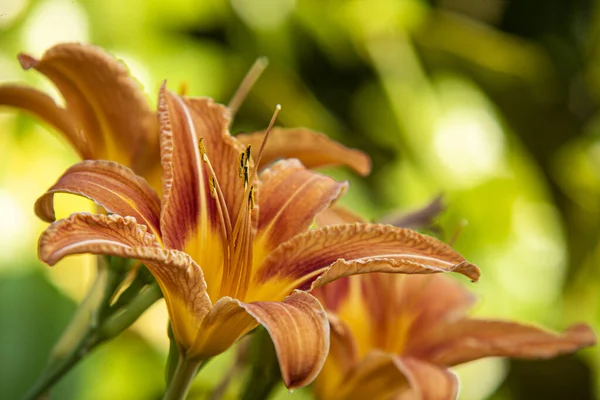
238, 235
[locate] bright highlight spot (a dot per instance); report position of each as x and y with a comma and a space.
535, 251
263, 14
53, 22
470, 144
10, 11
138, 70
15, 229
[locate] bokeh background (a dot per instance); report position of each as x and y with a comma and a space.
493, 103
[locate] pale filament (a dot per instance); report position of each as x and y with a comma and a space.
238, 239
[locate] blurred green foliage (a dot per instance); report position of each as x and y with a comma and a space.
494, 104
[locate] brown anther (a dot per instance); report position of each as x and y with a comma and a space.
242, 164
248, 148
213, 187
202, 149
246, 176
251, 198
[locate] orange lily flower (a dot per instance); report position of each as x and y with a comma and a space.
106, 114
230, 248
397, 336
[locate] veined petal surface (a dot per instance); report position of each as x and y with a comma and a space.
374, 377
312, 148
106, 104
471, 339
322, 255
179, 277
298, 327
427, 381
289, 199
114, 187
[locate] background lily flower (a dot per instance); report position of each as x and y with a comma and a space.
106, 113
231, 250
397, 336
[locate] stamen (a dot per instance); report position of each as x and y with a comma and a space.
216, 192
236, 275
249, 80
267, 133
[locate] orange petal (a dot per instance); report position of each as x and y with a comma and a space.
211, 121
298, 327
374, 377
404, 308
179, 277
115, 187
43, 107
106, 104
320, 256
300, 333
186, 194
471, 339
394, 312
427, 381
312, 148
343, 355
290, 197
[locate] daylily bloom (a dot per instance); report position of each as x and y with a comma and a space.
106, 113
397, 336
231, 248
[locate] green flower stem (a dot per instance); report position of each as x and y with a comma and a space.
95, 334
60, 367
184, 374
79, 325
98, 319
123, 319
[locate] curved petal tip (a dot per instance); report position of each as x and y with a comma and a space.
469, 270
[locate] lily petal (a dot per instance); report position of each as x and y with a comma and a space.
472, 339
115, 187
298, 327
180, 278
211, 122
185, 189
191, 219
395, 305
312, 148
290, 197
42, 106
188, 205
387, 311
427, 381
322, 255
343, 354
374, 377
107, 105
300, 333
